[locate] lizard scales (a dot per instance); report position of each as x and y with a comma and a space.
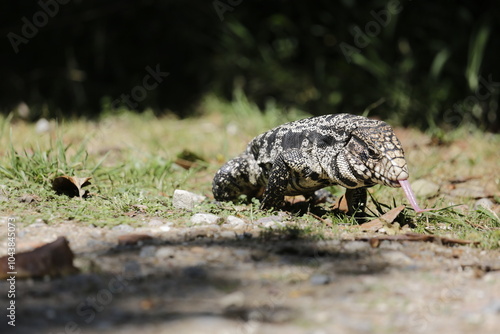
303, 156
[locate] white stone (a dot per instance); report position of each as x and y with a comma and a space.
235, 221
165, 252
42, 126
205, 219
183, 199
483, 202
424, 188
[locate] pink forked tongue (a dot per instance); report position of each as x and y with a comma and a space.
411, 196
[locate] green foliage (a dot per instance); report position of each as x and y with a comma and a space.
41, 166
322, 57
424, 70
134, 173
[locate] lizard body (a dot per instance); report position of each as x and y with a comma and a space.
300, 157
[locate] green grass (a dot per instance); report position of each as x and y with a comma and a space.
131, 159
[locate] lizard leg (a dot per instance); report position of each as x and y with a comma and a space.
276, 185
234, 179
356, 200
290, 173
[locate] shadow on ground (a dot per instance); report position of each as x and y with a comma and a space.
241, 279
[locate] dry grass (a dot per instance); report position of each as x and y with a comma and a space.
131, 159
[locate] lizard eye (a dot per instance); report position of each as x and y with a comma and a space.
373, 153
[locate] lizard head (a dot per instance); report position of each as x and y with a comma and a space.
376, 155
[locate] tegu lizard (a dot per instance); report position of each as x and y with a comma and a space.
300, 157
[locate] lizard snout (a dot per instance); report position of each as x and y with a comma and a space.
398, 171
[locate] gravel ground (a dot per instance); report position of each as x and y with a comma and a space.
232, 279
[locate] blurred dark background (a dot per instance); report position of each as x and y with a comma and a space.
422, 63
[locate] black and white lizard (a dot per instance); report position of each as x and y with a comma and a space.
300, 157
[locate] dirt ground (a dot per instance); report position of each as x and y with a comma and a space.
220, 279
262, 274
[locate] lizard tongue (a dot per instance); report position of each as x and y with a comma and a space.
411, 196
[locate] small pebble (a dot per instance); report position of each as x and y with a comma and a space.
42, 125
205, 219
147, 251
227, 235
183, 199
271, 222
425, 188
235, 221
39, 222
96, 245
356, 246
155, 222
123, 228
397, 258
468, 191
270, 219
165, 252
234, 299
319, 279
483, 202
165, 228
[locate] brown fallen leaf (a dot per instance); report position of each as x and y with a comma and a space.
372, 226
186, 164
70, 186
140, 209
133, 239
131, 213
378, 223
53, 259
187, 159
341, 204
29, 198
295, 199
375, 241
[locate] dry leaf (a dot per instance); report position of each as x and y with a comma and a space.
29, 198
53, 259
187, 159
295, 199
382, 221
341, 204
70, 186
374, 242
140, 209
372, 226
186, 164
